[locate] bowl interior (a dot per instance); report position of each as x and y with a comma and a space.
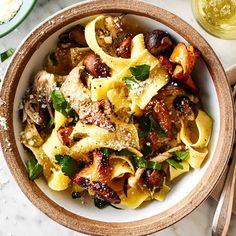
183, 185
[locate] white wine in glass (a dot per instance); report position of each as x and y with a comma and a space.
218, 17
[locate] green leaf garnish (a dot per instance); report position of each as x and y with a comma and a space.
34, 168
69, 165
143, 163
5, 55
147, 124
101, 203
131, 83
139, 161
61, 105
107, 151
53, 58
155, 125
175, 164
181, 155
140, 72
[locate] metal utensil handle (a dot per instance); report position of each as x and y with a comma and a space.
224, 208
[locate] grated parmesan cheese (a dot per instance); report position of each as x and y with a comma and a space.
8, 9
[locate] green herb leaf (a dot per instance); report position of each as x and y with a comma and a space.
53, 58
34, 168
69, 165
143, 163
61, 105
139, 161
5, 55
140, 72
101, 203
175, 164
181, 155
155, 125
130, 82
107, 151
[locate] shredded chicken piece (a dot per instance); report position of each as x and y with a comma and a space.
166, 155
36, 103
78, 96
134, 179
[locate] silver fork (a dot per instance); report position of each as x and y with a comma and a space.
221, 220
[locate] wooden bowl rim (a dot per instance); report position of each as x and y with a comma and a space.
220, 157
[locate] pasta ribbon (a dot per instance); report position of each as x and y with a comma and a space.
174, 173
58, 181
135, 197
123, 137
120, 165
196, 134
196, 157
161, 195
115, 63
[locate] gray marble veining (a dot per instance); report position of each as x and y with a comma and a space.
18, 217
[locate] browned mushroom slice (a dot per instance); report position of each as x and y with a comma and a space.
103, 191
98, 113
64, 135
161, 113
164, 61
153, 179
81, 181
124, 49
158, 41
99, 170
74, 36
186, 108
94, 66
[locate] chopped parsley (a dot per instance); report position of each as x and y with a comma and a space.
69, 165
101, 203
62, 106
147, 124
181, 155
140, 72
175, 164
34, 168
5, 55
139, 161
155, 126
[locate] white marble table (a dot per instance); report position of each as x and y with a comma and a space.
19, 217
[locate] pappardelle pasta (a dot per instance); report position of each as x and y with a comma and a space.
115, 113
